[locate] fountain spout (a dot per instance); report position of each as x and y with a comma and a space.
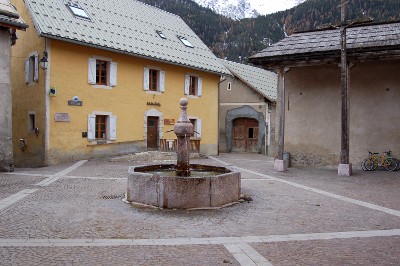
183, 130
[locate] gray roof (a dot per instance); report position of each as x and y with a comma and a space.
9, 16
126, 26
359, 39
263, 81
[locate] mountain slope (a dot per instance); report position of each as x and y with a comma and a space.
236, 40
235, 9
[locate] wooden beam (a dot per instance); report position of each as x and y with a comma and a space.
281, 114
344, 152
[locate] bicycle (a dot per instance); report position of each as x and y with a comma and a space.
389, 153
375, 160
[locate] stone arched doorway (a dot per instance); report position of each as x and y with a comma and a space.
153, 119
245, 130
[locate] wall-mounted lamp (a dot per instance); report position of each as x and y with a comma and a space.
44, 62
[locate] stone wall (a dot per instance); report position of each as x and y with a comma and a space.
313, 112
6, 149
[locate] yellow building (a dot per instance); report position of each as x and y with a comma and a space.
105, 77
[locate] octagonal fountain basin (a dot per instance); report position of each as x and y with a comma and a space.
206, 187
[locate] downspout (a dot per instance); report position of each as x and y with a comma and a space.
47, 104
222, 79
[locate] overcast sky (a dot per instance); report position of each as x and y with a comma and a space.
271, 6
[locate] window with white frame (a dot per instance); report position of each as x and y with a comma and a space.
102, 72
32, 68
193, 85
102, 126
154, 80
196, 127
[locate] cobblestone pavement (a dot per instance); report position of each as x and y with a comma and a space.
73, 214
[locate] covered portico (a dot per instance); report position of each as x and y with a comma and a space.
310, 100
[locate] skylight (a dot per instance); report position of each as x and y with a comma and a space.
161, 34
77, 11
185, 41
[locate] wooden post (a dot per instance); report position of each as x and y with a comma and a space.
344, 153
281, 125
345, 168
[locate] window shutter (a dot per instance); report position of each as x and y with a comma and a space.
187, 84
199, 86
198, 128
162, 81
91, 127
112, 127
36, 68
27, 61
113, 74
146, 77
92, 71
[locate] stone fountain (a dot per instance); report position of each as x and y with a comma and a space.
183, 185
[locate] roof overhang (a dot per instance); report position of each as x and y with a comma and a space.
328, 57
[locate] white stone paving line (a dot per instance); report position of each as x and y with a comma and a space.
4, 203
319, 191
246, 255
60, 174
32, 242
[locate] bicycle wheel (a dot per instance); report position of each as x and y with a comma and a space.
390, 164
363, 165
398, 164
370, 165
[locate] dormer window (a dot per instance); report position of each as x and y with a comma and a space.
161, 34
78, 11
185, 41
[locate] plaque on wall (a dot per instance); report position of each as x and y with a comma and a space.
75, 103
61, 117
169, 121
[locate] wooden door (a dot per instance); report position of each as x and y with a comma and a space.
152, 133
245, 135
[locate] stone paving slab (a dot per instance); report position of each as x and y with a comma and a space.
286, 218
365, 251
118, 255
85, 208
377, 187
11, 184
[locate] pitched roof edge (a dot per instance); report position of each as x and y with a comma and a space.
250, 85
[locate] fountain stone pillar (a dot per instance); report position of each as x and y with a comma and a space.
183, 129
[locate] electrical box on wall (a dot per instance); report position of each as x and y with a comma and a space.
53, 91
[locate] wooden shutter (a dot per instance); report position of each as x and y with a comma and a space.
92, 71
91, 127
27, 63
113, 74
112, 126
199, 86
146, 77
187, 84
198, 128
36, 68
162, 81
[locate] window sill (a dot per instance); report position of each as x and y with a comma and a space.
192, 96
31, 83
154, 92
104, 87
101, 142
